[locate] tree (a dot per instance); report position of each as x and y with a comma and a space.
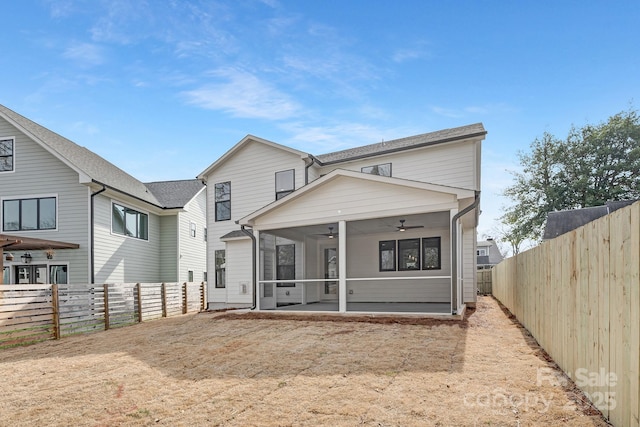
593, 165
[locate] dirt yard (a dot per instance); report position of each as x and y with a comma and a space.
234, 370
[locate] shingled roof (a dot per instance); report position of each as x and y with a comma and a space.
175, 194
164, 194
562, 222
423, 140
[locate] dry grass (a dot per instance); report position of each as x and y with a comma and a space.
226, 369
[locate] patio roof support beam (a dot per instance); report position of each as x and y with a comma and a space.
342, 266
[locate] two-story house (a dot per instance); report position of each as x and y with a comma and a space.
387, 227
80, 219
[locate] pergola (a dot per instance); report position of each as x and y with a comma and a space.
18, 243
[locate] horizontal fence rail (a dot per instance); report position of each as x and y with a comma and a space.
579, 296
32, 313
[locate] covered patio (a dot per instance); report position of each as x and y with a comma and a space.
330, 247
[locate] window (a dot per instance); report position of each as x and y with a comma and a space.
6, 154
192, 230
482, 252
190, 276
285, 183
29, 214
409, 254
5, 275
431, 253
204, 276
221, 264
129, 222
204, 234
387, 255
223, 201
286, 264
382, 170
58, 275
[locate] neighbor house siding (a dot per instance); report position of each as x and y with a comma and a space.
169, 248
38, 173
451, 164
251, 171
193, 250
124, 259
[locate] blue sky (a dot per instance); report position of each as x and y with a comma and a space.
162, 88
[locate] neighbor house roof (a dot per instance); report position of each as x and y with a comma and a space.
92, 167
494, 255
175, 194
423, 140
562, 222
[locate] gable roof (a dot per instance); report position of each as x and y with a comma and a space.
88, 164
423, 140
459, 193
494, 255
246, 141
562, 222
175, 194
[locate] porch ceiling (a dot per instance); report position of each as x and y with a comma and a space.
368, 226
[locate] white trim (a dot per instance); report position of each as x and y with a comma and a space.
342, 266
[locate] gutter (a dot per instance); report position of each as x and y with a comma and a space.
306, 167
254, 282
454, 250
92, 232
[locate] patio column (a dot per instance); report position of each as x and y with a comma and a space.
342, 266
453, 232
256, 270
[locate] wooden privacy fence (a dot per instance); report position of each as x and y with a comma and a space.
484, 278
31, 313
578, 295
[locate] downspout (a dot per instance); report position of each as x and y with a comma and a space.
254, 282
454, 250
306, 168
92, 233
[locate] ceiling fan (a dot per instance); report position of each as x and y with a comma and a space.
330, 234
403, 227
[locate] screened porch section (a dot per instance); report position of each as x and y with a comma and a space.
392, 265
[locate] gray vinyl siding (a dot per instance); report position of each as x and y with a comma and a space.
362, 262
469, 265
39, 173
168, 248
238, 273
125, 259
451, 164
193, 250
251, 171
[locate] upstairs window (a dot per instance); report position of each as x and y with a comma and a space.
223, 201
29, 214
6, 154
129, 222
192, 229
285, 183
382, 170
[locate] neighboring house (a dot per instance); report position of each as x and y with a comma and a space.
562, 222
488, 254
101, 224
386, 227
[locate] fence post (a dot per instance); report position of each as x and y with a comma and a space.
139, 291
202, 297
185, 300
163, 297
55, 303
106, 306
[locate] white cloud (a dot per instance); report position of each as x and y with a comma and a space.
84, 127
242, 94
86, 54
417, 51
